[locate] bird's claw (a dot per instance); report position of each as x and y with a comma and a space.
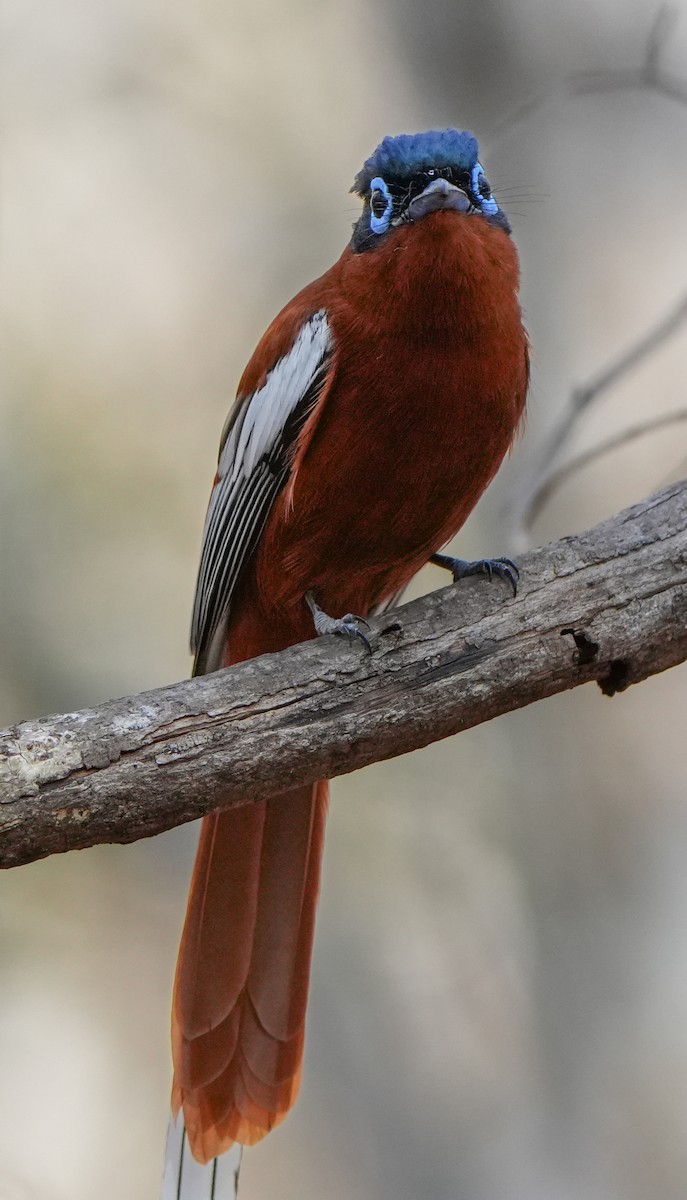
347, 626
460, 568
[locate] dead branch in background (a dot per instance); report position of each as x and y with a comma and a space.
608, 605
548, 472
649, 74
548, 484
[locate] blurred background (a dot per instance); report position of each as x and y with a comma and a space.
499, 999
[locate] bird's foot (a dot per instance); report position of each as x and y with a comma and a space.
460, 568
346, 626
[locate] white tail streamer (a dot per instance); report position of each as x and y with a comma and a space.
186, 1179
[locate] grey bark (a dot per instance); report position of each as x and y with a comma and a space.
608, 605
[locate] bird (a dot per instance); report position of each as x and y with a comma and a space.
374, 412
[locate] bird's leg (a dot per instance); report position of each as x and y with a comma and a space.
346, 626
504, 568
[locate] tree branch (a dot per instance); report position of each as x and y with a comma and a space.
541, 480
547, 471
649, 75
550, 483
608, 605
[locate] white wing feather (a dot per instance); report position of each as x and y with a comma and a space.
253, 467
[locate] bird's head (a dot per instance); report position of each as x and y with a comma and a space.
412, 175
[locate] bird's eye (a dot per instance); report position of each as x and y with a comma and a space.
481, 190
381, 205
378, 203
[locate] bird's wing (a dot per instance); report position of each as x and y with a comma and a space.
254, 463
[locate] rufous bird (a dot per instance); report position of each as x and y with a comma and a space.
373, 414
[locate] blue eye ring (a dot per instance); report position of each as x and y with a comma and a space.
381, 224
486, 203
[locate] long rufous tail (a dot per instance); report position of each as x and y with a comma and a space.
242, 977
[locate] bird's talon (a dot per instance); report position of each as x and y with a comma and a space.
460, 568
353, 630
347, 626
351, 619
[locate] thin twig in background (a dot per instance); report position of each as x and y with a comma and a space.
546, 473
557, 477
649, 74
527, 499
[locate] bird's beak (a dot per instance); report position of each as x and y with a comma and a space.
438, 196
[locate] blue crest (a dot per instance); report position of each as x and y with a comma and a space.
409, 153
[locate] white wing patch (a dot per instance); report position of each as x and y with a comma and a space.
266, 412
186, 1179
253, 466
